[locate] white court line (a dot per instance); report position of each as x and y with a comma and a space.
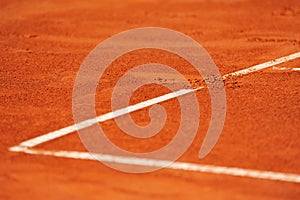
84, 124
286, 69
264, 65
23, 147
111, 115
232, 171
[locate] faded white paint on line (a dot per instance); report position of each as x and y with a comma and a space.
264, 65
84, 124
232, 171
287, 69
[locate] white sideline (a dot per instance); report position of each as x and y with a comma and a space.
84, 124
69, 129
232, 171
24, 146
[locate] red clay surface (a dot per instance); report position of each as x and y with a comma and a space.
43, 44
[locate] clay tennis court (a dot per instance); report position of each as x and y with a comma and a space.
43, 44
